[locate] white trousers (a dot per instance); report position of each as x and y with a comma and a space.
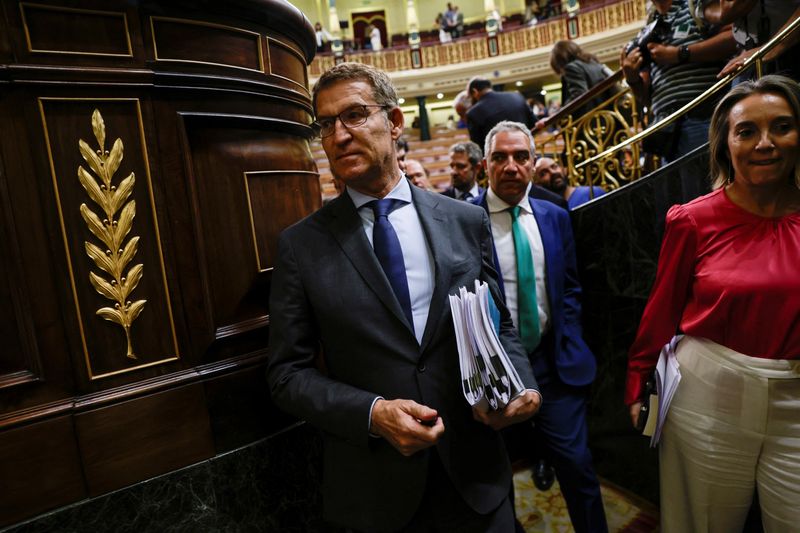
734, 424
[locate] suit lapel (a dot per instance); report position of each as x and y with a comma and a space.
548, 234
347, 229
434, 224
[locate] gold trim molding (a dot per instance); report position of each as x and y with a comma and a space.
31, 49
259, 43
295, 53
247, 175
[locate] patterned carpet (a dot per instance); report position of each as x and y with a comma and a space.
547, 512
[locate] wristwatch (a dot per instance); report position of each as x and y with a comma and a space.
683, 53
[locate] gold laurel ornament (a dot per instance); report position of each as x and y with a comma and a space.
111, 228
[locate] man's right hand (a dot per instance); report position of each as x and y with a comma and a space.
634, 412
407, 425
631, 65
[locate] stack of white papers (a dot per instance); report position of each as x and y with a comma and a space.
668, 375
488, 378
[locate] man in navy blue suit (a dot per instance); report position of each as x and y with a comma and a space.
491, 107
535, 256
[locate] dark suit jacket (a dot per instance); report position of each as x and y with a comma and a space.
328, 290
494, 107
580, 76
540, 193
450, 192
572, 358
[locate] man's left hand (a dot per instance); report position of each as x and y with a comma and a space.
519, 409
663, 54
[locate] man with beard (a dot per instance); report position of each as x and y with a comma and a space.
549, 174
465, 165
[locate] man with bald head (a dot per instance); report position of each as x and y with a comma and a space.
550, 175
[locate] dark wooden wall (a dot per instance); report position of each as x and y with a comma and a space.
208, 105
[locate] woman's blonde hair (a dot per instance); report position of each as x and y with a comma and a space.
720, 166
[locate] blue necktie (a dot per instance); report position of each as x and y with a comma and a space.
390, 255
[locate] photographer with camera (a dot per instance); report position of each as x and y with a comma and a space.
671, 62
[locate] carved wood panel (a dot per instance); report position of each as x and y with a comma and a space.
191, 41
40, 469
129, 441
20, 360
247, 184
109, 346
100, 173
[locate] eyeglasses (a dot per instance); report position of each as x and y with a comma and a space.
352, 117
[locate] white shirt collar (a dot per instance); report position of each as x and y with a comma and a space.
474, 191
401, 191
496, 204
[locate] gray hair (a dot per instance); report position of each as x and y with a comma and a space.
382, 89
472, 150
508, 125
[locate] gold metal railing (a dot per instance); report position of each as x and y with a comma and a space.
583, 135
596, 164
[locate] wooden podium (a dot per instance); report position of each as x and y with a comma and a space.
150, 153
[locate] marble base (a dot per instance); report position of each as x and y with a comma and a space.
272, 485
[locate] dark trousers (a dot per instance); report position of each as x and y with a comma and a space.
443, 510
560, 435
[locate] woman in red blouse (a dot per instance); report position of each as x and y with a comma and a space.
729, 280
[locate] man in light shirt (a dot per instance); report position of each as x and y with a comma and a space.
363, 284
535, 257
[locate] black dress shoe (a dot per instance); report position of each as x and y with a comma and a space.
543, 475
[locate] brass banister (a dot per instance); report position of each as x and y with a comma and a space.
586, 133
754, 59
581, 100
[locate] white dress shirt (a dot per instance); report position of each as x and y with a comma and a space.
417, 255
500, 217
473, 192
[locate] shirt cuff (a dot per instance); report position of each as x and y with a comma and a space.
541, 398
369, 420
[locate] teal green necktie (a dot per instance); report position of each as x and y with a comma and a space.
526, 286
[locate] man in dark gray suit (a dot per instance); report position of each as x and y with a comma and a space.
363, 283
491, 107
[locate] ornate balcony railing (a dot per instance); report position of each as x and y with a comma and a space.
590, 21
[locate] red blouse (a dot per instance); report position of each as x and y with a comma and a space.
724, 274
